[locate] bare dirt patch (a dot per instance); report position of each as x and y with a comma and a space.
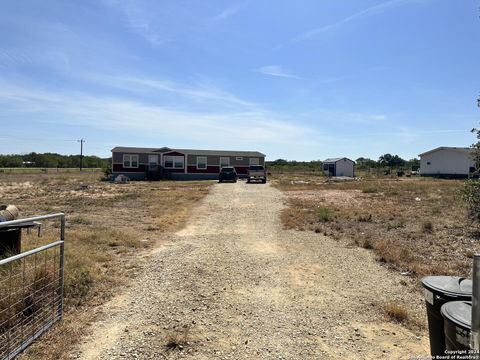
415, 226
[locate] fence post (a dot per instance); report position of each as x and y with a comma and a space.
475, 330
62, 264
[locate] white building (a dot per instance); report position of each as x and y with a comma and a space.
447, 161
339, 167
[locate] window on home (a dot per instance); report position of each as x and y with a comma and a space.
173, 162
224, 161
201, 162
254, 161
130, 161
152, 162
178, 162
428, 162
239, 158
168, 161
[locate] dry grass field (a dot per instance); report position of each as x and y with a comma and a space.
414, 225
109, 229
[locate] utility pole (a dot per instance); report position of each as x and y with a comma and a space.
81, 141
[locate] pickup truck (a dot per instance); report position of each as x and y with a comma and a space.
257, 173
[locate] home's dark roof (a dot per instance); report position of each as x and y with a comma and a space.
134, 149
189, 151
220, 152
334, 160
465, 150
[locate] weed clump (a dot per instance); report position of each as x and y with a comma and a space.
178, 339
365, 218
396, 312
80, 220
367, 244
324, 214
427, 227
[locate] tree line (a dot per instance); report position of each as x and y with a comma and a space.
390, 161
51, 160
384, 161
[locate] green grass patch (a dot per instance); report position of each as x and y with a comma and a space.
324, 214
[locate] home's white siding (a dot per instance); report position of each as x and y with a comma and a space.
446, 162
345, 168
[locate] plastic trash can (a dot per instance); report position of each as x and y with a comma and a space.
438, 291
457, 317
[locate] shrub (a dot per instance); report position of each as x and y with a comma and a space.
365, 218
367, 244
396, 312
471, 190
81, 220
427, 227
471, 197
78, 283
324, 214
397, 224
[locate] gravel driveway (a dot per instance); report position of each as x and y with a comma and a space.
234, 285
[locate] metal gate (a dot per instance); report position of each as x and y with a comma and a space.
31, 290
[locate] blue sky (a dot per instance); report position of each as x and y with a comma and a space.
300, 80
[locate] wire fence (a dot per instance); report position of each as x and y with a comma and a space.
31, 292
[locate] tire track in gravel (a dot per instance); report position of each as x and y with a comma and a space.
234, 285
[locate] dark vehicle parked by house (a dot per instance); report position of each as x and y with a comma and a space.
228, 173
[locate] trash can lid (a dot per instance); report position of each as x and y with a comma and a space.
458, 312
448, 285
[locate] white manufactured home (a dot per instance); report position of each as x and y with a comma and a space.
339, 167
447, 162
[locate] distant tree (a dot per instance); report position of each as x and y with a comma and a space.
385, 160
413, 164
10, 161
52, 160
280, 162
365, 163
392, 161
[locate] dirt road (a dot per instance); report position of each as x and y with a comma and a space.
234, 285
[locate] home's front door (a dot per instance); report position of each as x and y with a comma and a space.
152, 162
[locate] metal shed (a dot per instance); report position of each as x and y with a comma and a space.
444, 161
339, 167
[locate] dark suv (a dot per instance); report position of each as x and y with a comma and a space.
227, 173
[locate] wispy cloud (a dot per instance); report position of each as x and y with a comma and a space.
277, 70
233, 129
13, 57
372, 10
139, 20
359, 74
199, 91
230, 11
